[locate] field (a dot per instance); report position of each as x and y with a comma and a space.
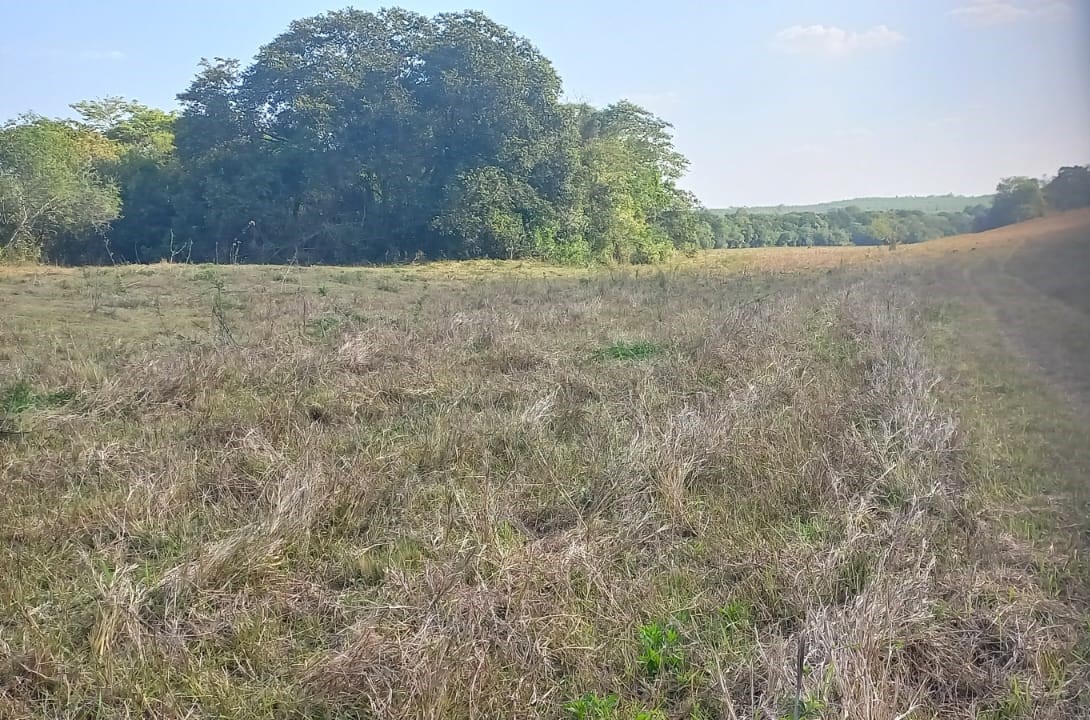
837, 482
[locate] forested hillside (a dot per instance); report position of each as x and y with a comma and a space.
367, 137
921, 203
1016, 199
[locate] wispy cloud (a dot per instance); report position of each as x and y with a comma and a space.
833, 41
986, 13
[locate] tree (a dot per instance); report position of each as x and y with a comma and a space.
881, 228
1070, 188
1016, 199
356, 135
633, 210
366, 136
144, 171
52, 196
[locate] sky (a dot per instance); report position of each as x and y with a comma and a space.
788, 101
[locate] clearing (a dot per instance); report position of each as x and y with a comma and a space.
486, 489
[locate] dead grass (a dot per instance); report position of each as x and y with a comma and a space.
429, 493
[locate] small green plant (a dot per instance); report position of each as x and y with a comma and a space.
418, 307
323, 326
210, 276
813, 530
592, 707
219, 316
659, 651
21, 397
736, 615
808, 707
638, 350
1017, 703
649, 715
662, 280
323, 290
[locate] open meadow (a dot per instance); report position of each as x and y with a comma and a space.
838, 482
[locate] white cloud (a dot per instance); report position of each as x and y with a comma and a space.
984, 13
987, 12
834, 41
103, 55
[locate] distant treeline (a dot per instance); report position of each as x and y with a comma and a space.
923, 203
366, 137
1016, 199
843, 226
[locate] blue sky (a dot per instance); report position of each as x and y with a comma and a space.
791, 101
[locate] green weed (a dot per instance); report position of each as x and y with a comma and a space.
211, 276
808, 707
592, 707
323, 326
20, 397
659, 651
638, 350
1016, 704
736, 616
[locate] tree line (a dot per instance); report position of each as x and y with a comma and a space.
1016, 199
353, 137
367, 137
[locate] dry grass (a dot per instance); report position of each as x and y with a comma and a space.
437, 493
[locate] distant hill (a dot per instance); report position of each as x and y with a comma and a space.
924, 203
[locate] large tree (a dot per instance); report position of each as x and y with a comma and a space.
1070, 188
1016, 199
358, 135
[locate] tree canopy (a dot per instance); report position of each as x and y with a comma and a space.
367, 136
1070, 188
50, 188
1016, 199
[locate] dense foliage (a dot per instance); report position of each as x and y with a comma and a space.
50, 189
359, 136
363, 137
842, 226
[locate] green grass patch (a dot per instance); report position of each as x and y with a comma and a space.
592, 707
621, 350
21, 397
